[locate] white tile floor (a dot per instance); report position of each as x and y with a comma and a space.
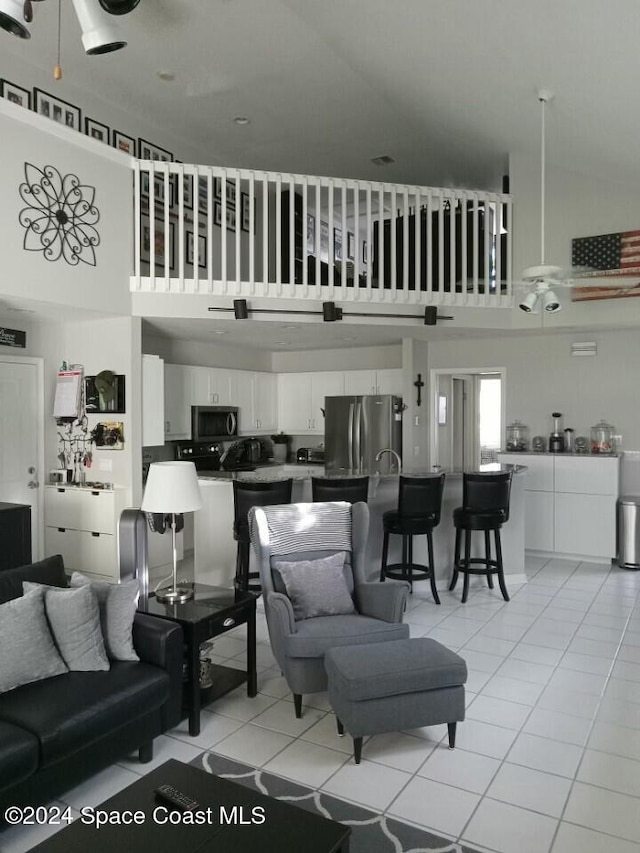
548, 760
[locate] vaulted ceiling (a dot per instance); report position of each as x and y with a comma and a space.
445, 87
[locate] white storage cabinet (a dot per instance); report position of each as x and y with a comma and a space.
82, 525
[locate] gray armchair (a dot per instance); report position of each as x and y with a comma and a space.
302, 532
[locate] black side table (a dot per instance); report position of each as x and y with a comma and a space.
212, 611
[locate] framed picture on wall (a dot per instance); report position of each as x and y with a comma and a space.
231, 190
124, 143
54, 108
202, 249
15, 94
159, 243
148, 151
231, 216
337, 244
158, 188
364, 251
105, 392
351, 246
245, 212
96, 130
311, 234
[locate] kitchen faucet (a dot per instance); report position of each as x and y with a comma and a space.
393, 453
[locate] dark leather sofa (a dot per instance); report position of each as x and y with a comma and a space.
57, 732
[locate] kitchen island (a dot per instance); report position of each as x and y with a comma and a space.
215, 548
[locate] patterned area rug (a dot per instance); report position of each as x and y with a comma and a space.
370, 832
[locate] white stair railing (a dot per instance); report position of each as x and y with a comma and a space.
301, 236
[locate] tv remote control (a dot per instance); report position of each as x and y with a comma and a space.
175, 798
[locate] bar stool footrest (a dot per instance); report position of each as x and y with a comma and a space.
484, 566
407, 571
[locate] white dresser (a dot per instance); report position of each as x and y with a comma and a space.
570, 503
82, 525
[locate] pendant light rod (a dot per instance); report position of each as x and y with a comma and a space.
544, 96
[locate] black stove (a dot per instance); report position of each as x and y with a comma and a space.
205, 456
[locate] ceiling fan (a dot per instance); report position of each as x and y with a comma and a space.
543, 277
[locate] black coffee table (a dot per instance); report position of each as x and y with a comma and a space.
285, 827
212, 611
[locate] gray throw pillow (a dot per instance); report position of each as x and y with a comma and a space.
74, 619
27, 650
316, 587
118, 605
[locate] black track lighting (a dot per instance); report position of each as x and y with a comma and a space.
118, 7
330, 313
240, 310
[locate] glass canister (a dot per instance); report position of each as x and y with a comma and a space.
517, 437
603, 438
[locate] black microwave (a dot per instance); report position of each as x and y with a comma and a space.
213, 423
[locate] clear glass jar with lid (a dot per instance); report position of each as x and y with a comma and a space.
517, 435
603, 438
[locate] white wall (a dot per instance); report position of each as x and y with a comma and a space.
353, 358
69, 89
111, 344
179, 351
543, 377
28, 274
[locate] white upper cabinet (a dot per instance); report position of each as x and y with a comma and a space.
242, 397
177, 401
301, 399
389, 381
221, 386
294, 402
373, 381
265, 401
329, 384
359, 382
153, 426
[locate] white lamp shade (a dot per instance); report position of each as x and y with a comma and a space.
172, 487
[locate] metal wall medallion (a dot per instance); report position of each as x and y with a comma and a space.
60, 218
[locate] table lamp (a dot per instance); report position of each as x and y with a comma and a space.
172, 488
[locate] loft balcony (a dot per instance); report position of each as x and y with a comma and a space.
247, 233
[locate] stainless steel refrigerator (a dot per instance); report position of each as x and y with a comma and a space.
357, 428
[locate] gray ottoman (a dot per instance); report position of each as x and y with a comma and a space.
388, 687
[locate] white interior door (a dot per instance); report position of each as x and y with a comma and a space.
21, 444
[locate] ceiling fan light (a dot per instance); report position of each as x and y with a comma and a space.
99, 33
12, 18
118, 7
530, 303
550, 302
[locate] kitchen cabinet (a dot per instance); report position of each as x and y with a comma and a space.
153, 416
177, 401
256, 396
265, 399
209, 386
570, 503
82, 525
387, 381
301, 399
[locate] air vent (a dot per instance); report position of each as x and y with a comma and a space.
384, 160
584, 348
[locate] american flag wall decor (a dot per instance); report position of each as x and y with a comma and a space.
607, 255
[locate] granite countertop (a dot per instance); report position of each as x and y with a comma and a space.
571, 454
278, 472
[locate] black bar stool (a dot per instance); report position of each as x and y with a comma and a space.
485, 499
351, 489
245, 495
419, 505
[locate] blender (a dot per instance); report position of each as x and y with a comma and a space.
556, 439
